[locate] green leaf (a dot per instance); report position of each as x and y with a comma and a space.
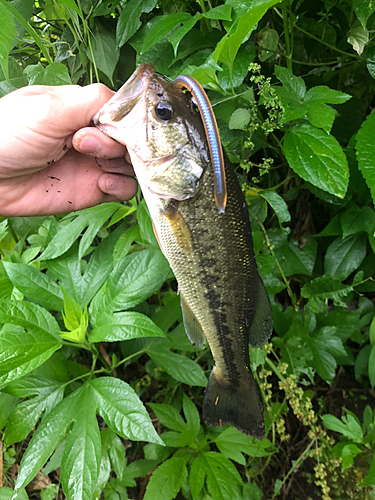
7, 405
123, 326
45, 439
175, 38
232, 443
179, 367
104, 51
355, 220
91, 218
365, 149
358, 37
220, 12
129, 21
226, 50
268, 40
56, 74
23, 419
123, 411
343, 256
133, 280
168, 416
325, 287
191, 415
348, 426
296, 261
326, 346
7, 32
363, 10
239, 119
168, 479
161, 28
221, 476
371, 366
294, 85
279, 206
8, 494
317, 158
35, 285
82, 454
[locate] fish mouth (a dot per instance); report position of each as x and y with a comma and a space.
126, 97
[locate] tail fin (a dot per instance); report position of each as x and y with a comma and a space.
235, 405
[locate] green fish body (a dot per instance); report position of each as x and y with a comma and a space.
223, 298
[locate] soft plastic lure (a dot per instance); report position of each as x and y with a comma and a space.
212, 134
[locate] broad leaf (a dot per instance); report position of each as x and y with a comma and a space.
129, 21
168, 479
45, 439
344, 256
348, 426
35, 285
179, 367
232, 443
318, 158
162, 26
122, 410
366, 152
104, 52
82, 454
123, 326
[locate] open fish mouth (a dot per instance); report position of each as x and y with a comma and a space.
122, 103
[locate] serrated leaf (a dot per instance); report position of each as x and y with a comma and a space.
239, 119
45, 439
232, 443
82, 454
168, 416
191, 416
296, 261
318, 158
123, 326
123, 411
221, 476
35, 285
90, 218
291, 83
168, 479
179, 367
343, 256
365, 149
133, 280
325, 287
56, 74
27, 413
129, 21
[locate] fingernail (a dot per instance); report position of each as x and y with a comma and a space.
90, 145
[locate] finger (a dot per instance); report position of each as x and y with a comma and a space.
120, 186
115, 166
91, 141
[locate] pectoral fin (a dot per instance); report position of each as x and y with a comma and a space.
192, 327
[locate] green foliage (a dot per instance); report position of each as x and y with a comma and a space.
90, 322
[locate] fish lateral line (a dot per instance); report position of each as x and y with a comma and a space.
212, 136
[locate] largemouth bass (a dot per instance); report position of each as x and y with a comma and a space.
210, 251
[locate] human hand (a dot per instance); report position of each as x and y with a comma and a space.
40, 172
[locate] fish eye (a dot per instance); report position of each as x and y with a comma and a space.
163, 111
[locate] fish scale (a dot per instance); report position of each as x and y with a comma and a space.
223, 298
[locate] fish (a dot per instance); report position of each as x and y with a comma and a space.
203, 231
